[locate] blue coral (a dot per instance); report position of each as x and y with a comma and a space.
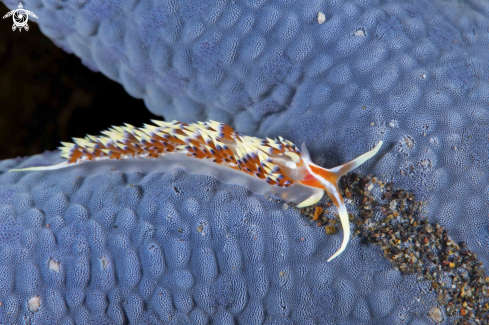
119, 247
410, 73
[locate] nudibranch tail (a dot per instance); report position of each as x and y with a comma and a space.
327, 179
40, 168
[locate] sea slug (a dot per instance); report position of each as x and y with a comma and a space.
273, 167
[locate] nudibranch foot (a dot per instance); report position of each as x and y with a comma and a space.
313, 199
274, 167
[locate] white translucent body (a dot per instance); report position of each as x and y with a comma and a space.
298, 193
294, 193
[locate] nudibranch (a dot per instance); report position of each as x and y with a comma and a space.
274, 167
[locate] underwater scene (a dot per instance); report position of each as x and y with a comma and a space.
244, 162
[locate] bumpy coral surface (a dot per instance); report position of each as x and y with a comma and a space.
109, 245
411, 73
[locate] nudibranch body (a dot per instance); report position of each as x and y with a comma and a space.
274, 167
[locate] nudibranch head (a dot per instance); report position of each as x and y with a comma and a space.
327, 180
274, 167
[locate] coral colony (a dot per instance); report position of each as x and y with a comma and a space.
118, 244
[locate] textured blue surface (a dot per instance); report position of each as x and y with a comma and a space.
174, 248
411, 73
